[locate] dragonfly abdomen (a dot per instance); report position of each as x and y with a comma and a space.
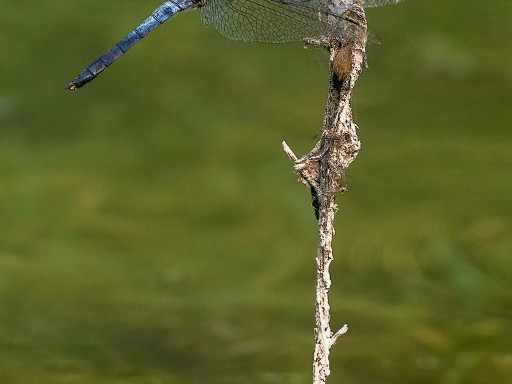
159, 16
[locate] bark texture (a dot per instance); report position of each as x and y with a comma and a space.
323, 170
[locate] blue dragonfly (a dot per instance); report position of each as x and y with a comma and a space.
268, 21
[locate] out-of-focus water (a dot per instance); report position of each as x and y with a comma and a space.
153, 230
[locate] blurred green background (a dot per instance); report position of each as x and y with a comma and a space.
152, 230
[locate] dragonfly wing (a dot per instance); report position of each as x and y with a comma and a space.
268, 21
378, 3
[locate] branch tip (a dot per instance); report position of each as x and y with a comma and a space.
342, 331
289, 152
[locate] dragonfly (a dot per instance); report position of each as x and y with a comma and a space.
266, 21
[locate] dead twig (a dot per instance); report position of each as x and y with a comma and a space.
323, 171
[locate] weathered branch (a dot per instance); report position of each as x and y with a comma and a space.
323, 170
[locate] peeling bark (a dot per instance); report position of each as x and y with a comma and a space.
323, 171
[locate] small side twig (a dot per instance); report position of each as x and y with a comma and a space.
323, 170
289, 152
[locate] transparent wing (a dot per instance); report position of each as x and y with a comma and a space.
279, 21
378, 3
268, 21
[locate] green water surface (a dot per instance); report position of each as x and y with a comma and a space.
152, 230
